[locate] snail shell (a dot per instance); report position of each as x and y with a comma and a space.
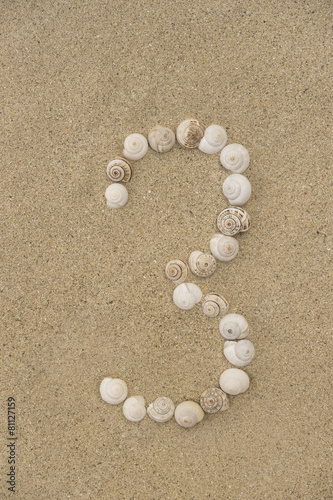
237, 188
234, 381
234, 326
213, 400
135, 147
186, 295
161, 139
113, 390
189, 133
214, 139
214, 304
233, 220
239, 353
177, 271
202, 264
134, 408
116, 195
161, 410
224, 248
119, 169
188, 413
235, 157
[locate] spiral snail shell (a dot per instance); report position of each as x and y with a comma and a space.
234, 327
235, 157
135, 147
237, 188
213, 400
214, 304
202, 264
113, 390
189, 133
161, 139
224, 248
234, 381
177, 271
161, 410
239, 353
233, 220
116, 195
214, 139
134, 408
119, 169
188, 413
186, 295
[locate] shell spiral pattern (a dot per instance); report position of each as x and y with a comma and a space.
161, 139
235, 157
134, 408
237, 188
186, 295
214, 304
234, 381
119, 169
201, 264
189, 133
234, 326
213, 400
239, 353
177, 271
233, 220
116, 196
113, 390
161, 410
135, 147
224, 248
214, 139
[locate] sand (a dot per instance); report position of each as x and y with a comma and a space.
83, 290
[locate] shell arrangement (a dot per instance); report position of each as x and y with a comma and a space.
223, 246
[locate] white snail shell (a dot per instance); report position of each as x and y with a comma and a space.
234, 326
224, 248
214, 139
116, 195
135, 147
113, 390
237, 188
235, 157
161, 139
119, 169
234, 381
201, 264
213, 400
233, 220
188, 413
214, 304
189, 133
134, 408
161, 410
177, 271
186, 295
239, 353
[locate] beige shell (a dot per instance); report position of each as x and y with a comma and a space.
189, 133
161, 139
134, 408
235, 157
116, 195
213, 400
188, 413
202, 264
234, 381
161, 410
224, 248
113, 390
234, 326
135, 147
237, 188
214, 304
119, 169
233, 220
177, 271
186, 295
239, 353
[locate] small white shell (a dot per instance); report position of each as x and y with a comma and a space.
233, 220
237, 188
177, 271
224, 248
235, 157
234, 326
234, 381
161, 139
214, 140
186, 295
161, 410
119, 169
188, 413
116, 195
134, 408
214, 304
239, 353
189, 133
213, 400
135, 147
202, 264
113, 390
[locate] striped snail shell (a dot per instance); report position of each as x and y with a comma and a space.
113, 390
189, 133
224, 248
234, 381
239, 353
233, 220
214, 139
234, 326
135, 147
237, 188
188, 414
186, 296
119, 169
116, 195
214, 304
177, 271
213, 400
161, 410
134, 408
235, 157
202, 264
161, 139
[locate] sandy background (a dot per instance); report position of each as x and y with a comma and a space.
83, 290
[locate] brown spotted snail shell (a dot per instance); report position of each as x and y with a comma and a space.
213, 400
202, 264
119, 170
233, 220
189, 133
214, 304
177, 271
